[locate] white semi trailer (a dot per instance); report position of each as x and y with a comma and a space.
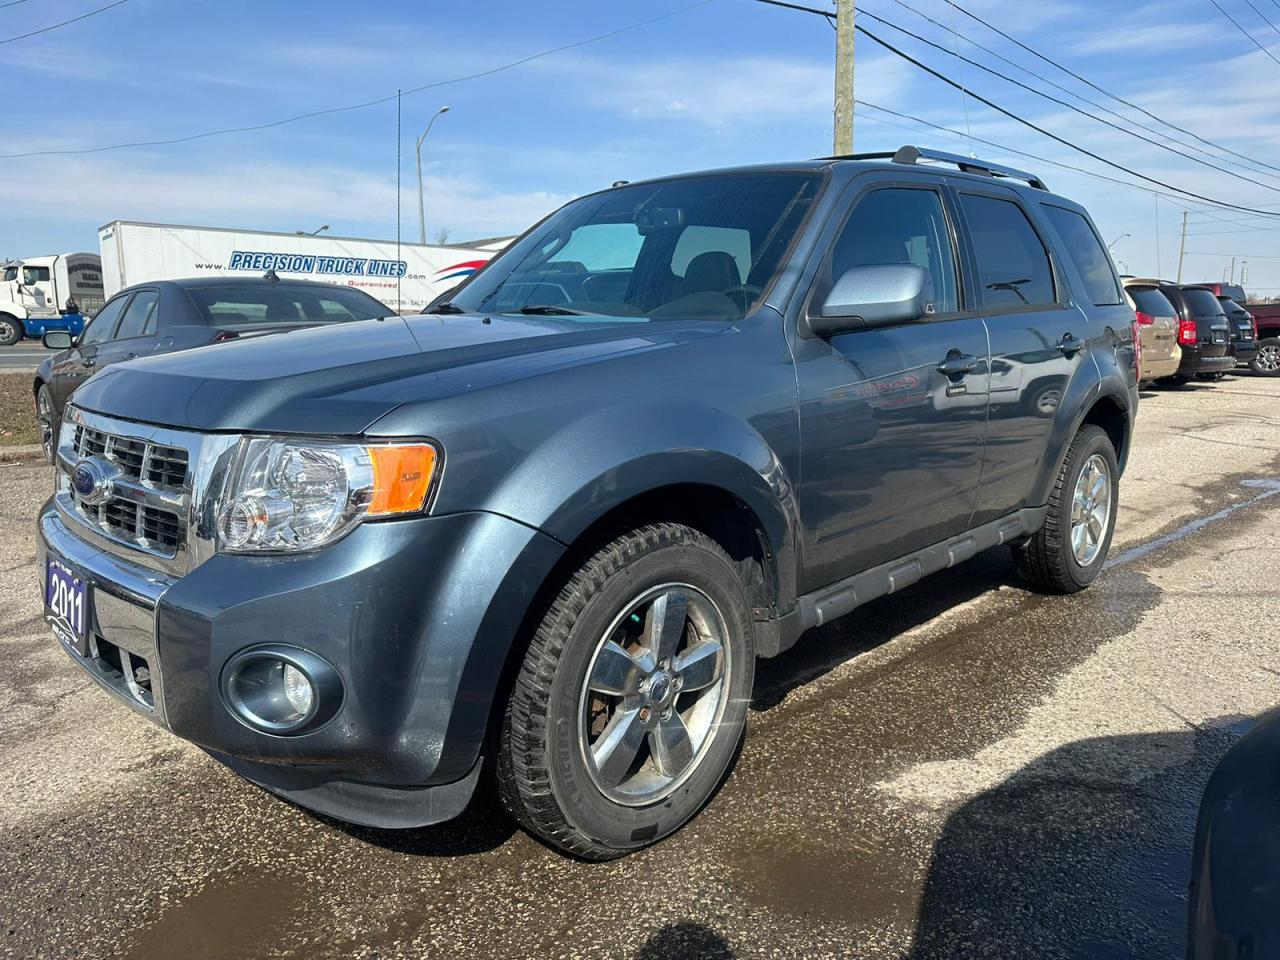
406, 277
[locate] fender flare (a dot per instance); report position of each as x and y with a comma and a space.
602, 460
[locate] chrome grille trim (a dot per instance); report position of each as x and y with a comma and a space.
159, 512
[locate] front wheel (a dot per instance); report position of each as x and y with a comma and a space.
1067, 553
11, 330
1267, 362
633, 695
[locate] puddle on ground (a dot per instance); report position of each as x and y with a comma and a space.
227, 920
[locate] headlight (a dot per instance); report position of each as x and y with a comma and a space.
286, 496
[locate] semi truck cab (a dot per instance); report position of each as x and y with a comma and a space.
34, 292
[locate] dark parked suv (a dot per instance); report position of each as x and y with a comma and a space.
551, 526
1244, 337
1203, 332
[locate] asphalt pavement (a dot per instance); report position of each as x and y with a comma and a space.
24, 355
964, 769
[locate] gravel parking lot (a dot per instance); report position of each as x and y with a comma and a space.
964, 769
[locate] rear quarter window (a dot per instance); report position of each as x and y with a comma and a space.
1087, 254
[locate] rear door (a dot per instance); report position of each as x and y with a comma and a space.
135, 335
1039, 341
891, 445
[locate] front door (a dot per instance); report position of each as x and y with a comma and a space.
891, 439
74, 366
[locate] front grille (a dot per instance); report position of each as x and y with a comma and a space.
154, 472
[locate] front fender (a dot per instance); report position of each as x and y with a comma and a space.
15, 310
607, 457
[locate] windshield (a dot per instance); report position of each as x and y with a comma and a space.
703, 248
241, 306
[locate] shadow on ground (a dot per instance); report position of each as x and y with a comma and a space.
1084, 853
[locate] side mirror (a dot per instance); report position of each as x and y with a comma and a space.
875, 296
58, 340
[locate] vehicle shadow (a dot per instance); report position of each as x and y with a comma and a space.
878, 622
685, 941
1083, 853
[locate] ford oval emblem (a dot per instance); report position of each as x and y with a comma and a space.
89, 483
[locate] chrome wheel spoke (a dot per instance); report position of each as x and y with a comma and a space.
616, 750
615, 672
672, 748
665, 624
699, 666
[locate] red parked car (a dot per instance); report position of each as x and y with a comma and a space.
1266, 316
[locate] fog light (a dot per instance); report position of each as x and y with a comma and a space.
298, 690
281, 689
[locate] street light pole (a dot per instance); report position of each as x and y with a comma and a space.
1118, 239
422, 217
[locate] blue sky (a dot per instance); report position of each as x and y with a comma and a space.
731, 81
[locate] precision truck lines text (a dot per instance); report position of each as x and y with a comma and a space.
257, 260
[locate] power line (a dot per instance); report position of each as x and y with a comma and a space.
1265, 19
83, 16
1236, 24
1070, 106
1089, 83
1250, 166
11, 3
1053, 136
1030, 156
363, 105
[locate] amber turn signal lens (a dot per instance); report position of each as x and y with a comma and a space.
401, 478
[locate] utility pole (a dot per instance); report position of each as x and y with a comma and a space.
844, 77
1233, 270
1182, 245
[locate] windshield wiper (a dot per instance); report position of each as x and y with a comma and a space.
446, 307
550, 310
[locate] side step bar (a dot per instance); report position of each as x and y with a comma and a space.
834, 601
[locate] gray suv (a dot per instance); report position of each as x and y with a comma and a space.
550, 526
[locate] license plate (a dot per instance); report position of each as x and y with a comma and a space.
67, 597
1219, 338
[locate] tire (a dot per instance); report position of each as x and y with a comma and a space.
556, 727
1053, 559
11, 330
1174, 380
49, 421
1267, 362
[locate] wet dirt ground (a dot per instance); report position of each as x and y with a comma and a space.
964, 769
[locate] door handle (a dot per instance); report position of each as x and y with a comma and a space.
957, 364
1069, 344
90, 363
131, 356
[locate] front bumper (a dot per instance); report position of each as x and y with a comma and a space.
416, 616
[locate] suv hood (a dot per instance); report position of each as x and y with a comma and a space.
338, 380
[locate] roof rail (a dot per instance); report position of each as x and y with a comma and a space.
910, 154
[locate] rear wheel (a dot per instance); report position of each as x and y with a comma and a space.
11, 330
633, 695
1068, 551
1267, 362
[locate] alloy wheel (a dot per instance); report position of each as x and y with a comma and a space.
1268, 358
1090, 510
44, 417
654, 694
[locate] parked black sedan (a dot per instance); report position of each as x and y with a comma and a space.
170, 315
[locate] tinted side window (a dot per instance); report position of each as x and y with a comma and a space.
1087, 253
899, 225
140, 317
104, 323
1013, 266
